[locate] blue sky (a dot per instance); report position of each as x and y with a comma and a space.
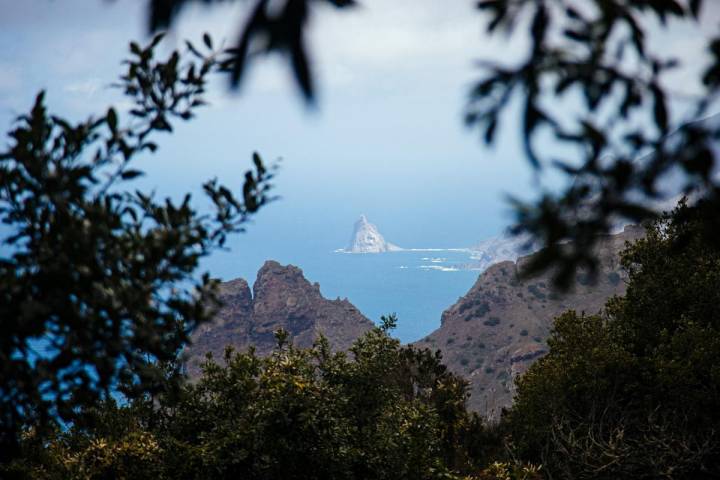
386, 140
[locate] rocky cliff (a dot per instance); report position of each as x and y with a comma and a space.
493, 333
366, 238
281, 298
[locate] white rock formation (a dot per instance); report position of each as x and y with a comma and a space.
367, 239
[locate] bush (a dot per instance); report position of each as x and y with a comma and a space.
634, 392
535, 291
510, 471
103, 274
492, 321
383, 412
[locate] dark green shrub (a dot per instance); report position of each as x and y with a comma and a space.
492, 321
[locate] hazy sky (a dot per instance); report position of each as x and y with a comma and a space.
387, 139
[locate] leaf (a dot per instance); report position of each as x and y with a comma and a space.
695, 6
594, 135
488, 4
192, 49
342, 3
675, 8
112, 120
207, 41
130, 174
573, 13
301, 69
532, 119
539, 25
660, 109
257, 21
162, 12
150, 146
157, 39
701, 163
490, 130
637, 35
258, 163
500, 15
581, 37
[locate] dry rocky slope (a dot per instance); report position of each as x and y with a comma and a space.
281, 298
493, 333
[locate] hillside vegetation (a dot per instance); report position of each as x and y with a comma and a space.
631, 392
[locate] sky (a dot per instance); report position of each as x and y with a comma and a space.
386, 139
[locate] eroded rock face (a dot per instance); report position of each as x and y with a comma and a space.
231, 324
282, 298
500, 327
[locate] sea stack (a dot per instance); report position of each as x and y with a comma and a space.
367, 239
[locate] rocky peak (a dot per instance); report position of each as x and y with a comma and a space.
235, 295
275, 279
366, 238
282, 298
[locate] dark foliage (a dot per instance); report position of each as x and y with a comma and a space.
383, 412
598, 51
97, 283
268, 29
634, 392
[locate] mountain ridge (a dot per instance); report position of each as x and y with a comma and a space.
281, 297
500, 326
